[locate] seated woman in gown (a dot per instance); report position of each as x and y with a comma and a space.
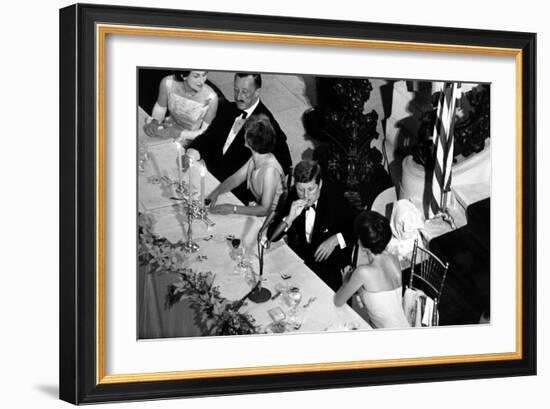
262, 173
377, 277
192, 105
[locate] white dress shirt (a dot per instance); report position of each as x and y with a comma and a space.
310, 221
237, 125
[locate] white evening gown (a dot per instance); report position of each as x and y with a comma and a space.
381, 309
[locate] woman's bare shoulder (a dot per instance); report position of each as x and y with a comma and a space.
209, 92
166, 82
365, 275
363, 271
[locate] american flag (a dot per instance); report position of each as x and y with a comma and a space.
443, 138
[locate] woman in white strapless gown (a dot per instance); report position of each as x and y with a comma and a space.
376, 280
191, 103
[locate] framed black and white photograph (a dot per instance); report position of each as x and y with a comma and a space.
333, 132
233, 197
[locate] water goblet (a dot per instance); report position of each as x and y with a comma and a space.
243, 261
236, 252
143, 156
250, 275
292, 298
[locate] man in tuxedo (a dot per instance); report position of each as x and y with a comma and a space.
318, 222
222, 145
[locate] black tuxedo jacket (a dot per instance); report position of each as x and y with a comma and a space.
210, 145
333, 214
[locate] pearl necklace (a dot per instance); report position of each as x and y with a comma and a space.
191, 93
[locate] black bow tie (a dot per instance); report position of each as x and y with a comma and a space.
313, 206
242, 114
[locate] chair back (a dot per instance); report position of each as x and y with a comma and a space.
428, 275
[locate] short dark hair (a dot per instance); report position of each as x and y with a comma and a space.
259, 133
306, 171
256, 77
373, 230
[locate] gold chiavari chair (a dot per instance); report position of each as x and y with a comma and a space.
428, 275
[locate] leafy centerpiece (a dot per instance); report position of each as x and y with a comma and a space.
214, 314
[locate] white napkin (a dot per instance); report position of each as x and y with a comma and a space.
418, 308
406, 222
428, 312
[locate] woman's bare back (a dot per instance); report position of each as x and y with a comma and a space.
384, 274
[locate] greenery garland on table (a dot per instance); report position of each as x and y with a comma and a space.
214, 314
160, 254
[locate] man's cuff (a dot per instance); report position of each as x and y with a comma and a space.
341, 240
287, 225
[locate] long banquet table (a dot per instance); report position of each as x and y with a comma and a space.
155, 321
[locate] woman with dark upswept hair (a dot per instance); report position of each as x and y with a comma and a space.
262, 172
377, 277
191, 103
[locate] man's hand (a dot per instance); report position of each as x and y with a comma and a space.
326, 248
296, 208
264, 241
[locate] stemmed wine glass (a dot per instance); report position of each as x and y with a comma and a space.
143, 153
292, 299
250, 275
238, 254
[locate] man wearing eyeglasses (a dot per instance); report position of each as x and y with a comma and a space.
222, 146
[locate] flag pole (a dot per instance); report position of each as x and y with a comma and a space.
443, 137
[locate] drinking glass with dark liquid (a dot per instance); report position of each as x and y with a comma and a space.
236, 253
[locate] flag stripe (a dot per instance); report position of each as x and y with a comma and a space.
443, 138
